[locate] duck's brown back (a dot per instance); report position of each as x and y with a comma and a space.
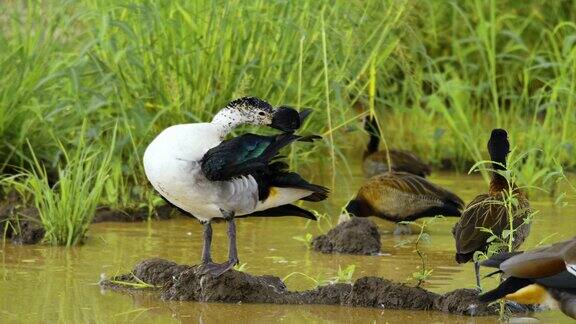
399, 196
488, 211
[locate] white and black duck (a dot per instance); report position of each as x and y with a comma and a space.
195, 169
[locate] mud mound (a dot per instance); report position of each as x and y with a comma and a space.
354, 236
183, 283
464, 302
383, 293
107, 214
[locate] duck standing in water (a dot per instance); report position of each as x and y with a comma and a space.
488, 210
195, 169
376, 162
401, 196
543, 276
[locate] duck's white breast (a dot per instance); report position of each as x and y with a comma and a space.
171, 164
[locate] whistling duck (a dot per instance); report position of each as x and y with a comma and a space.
542, 276
195, 169
402, 196
488, 210
376, 162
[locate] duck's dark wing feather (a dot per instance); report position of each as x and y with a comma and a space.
244, 155
489, 212
276, 175
257, 156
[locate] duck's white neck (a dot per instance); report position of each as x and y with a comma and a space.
227, 119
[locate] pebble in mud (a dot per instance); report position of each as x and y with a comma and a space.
354, 236
181, 282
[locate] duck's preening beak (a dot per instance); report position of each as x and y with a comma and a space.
288, 119
304, 113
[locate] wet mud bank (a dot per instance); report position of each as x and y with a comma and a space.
354, 236
20, 223
173, 281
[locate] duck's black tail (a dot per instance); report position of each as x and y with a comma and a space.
276, 175
284, 210
508, 286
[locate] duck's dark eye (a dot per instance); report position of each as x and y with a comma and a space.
262, 113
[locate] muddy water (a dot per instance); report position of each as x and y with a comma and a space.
47, 284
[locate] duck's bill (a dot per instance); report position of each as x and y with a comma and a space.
288, 119
304, 113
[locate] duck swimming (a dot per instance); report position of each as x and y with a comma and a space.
402, 196
543, 276
195, 169
488, 210
376, 161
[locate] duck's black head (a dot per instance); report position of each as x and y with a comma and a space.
288, 119
498, 145
354, 208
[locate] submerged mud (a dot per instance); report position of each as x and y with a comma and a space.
183, 283
354, 236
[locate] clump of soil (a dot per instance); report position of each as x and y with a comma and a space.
464, 302
354, 236
184, 283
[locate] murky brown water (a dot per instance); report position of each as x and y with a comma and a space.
48, 284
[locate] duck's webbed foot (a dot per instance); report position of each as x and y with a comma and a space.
215, 269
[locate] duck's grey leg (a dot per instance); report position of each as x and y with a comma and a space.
216, 269
232, 249
477, 272
206, 255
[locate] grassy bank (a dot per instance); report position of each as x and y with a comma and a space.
444, 73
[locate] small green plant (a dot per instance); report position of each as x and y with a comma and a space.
297, 273
344, 274
423, 273
240, 267
306, 239
135, 283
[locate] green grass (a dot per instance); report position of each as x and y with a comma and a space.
67, 208
439, 75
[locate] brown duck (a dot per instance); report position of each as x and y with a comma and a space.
401, 196
376, 162
543, 276
488, 210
